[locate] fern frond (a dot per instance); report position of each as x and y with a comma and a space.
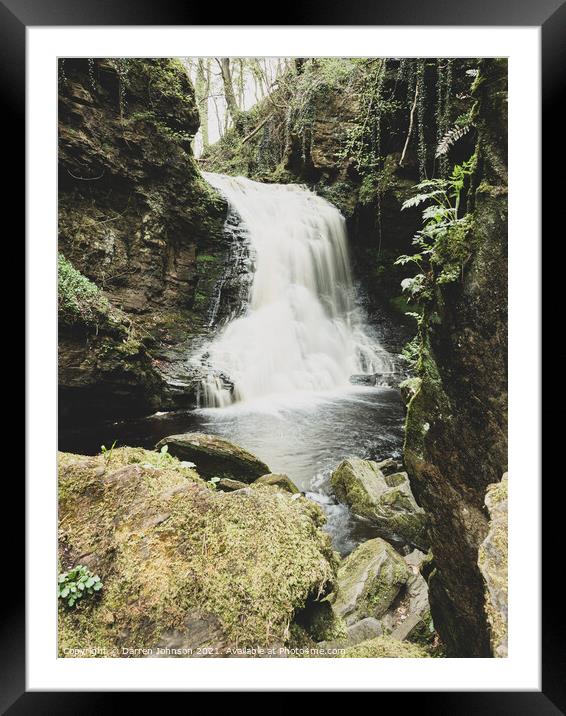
420, 198
450, 138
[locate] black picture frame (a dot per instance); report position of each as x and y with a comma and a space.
15, 16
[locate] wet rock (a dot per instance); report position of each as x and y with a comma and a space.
492, 561
215, 457
369, 580
384, 499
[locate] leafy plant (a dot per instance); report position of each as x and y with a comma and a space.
441, 243
107, 453
451, 137
76, 584
79, 299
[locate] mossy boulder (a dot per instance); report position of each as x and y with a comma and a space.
215, 457
384, 647
283, 482
493, 562
369, 580
384, 499
183, 566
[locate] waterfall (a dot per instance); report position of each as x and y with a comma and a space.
301, 330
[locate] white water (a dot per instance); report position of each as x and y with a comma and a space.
301, 332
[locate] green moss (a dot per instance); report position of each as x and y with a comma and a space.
166, 547
384, 647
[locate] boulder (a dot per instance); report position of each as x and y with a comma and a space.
384, 499
492, 561
283, 482
182, 565
215, 457
369, 580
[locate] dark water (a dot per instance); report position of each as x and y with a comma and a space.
305, 439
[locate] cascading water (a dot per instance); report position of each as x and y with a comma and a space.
301, 330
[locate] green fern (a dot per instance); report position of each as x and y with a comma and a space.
451, 137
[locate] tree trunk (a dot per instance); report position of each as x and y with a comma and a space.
202, 89
231, 103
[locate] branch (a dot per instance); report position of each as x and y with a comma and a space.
410, 126
256, 130
85, 178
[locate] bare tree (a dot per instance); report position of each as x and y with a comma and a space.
230, 97
202, 90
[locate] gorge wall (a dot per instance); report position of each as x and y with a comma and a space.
456, 434
138, 221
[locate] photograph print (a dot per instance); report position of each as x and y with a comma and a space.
282, 334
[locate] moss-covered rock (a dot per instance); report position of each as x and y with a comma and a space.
385, 500
384, 647
369, 580
493, 561
215, 457
183, 566
283, 482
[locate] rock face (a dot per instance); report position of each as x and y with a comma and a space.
184, 567
456, 430
384, 499
215, 457
138, 220
369, 580
492, 561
